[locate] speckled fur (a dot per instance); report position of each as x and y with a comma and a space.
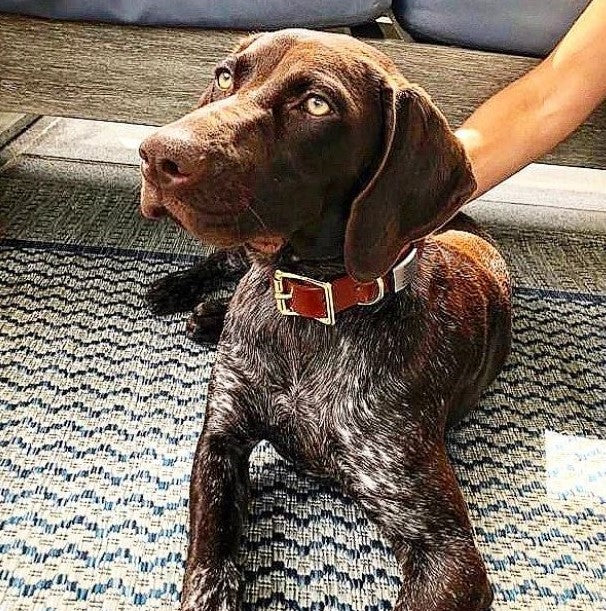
365, 403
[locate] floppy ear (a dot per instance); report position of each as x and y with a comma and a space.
423, 178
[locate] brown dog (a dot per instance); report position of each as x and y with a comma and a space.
314, 152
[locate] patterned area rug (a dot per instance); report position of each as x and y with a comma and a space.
101, 406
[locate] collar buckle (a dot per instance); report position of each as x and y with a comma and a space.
282, 297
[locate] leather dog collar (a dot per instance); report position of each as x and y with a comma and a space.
301, 296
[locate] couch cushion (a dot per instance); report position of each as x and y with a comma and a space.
528, 27
236, 14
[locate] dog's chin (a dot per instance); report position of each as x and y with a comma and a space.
222, 230
223, 238
268, 245
228, 235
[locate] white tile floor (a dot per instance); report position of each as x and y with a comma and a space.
569, 187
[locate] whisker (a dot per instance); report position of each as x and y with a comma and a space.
256, 215
257, 200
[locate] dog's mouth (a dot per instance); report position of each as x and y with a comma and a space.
220, 227
156, 204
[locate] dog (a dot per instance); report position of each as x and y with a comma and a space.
366, 321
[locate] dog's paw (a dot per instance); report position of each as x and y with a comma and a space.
177, 292
211, 588
206, 322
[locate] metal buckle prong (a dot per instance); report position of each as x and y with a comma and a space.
281, 297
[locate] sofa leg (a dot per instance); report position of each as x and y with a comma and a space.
394, 29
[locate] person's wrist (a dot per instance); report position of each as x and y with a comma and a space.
471, 140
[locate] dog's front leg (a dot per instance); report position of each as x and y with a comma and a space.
183, 291
416, 501
218, 498
206, 321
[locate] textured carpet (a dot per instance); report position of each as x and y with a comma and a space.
101, 406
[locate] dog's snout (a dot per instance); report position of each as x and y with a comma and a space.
167, 159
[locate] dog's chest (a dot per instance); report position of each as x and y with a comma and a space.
312, 383
310, 405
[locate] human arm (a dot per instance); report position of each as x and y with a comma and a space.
533, 114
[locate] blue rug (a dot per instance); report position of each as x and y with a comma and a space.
101, 406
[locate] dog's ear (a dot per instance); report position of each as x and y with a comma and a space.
422, 179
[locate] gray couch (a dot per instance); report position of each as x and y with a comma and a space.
527, 27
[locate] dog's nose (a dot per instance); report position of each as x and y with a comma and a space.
168, 159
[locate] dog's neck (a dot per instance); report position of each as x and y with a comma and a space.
290, 260
315, 251
322, 241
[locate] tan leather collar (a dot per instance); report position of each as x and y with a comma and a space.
301, 296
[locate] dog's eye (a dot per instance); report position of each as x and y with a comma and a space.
317, 106
225, 80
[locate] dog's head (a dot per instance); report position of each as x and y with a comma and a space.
311, 138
